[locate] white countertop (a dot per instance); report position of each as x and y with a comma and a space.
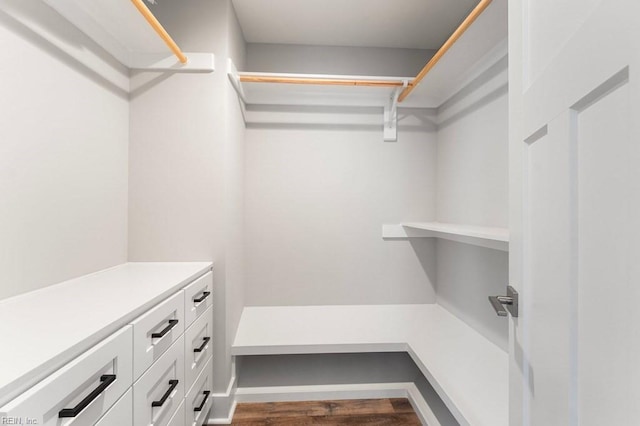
468, 372
42, 330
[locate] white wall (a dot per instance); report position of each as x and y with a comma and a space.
63, 153
326, 369
316, 197
335, 60
234, 195
186, 165
473, 189
335, 369
473, 154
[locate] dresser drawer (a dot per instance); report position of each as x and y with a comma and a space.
121, 414
199, 399
198, 347
198, 296
155, 331
178, 418
159, 392
81, 392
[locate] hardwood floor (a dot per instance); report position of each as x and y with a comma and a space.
345, 412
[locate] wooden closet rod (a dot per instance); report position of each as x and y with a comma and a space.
157, 26
320, 81
477, 11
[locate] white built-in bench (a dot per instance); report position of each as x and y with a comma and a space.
469, 373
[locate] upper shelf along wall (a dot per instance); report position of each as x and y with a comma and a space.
472, 50
476, 45
315, 89
119, 28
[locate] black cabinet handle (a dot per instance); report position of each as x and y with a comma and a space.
106, 380
204, 401
172, 386
203, 345
172, 323
205, 294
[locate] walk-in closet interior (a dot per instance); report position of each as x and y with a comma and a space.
211, 202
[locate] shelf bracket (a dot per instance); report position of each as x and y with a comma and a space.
391, 115
234, 78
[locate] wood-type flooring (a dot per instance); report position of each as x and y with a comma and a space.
328, 413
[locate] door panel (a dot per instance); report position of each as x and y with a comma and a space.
546, 295
575, 215
603, 312
553, 23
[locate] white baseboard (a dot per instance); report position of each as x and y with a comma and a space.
321, 392
225, 399
224, 420
420, 406
330, 392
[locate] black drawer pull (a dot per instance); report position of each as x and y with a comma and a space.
205, 294
106, 380
204, 401
173, 384
203, 345
172, 323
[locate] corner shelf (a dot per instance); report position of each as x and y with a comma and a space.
494, 238
469, 373
118, 27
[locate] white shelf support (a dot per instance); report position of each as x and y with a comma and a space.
391, 115
234, 78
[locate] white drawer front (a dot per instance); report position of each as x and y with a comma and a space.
198, 347
156, 395
178, 417
121, 414
198, 296
161, 320
85, 388
199, 399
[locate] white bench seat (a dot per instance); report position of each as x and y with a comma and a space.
468, 372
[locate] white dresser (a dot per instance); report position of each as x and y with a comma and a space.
131, 345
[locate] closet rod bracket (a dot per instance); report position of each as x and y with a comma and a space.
391, 114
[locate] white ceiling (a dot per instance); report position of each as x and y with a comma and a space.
418, 24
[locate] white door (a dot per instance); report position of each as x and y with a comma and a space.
575, 215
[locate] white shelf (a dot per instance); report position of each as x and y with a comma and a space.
467, 371
121, 30
42, 330
331, 102
478, 49
255, 93
495, 238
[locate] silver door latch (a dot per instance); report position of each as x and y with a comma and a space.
510, 301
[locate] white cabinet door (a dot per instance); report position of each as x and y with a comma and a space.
178, 418
575, 216
160, 391
155, 331
198, 347
121, 414
81, 392
199, 400
198, 296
